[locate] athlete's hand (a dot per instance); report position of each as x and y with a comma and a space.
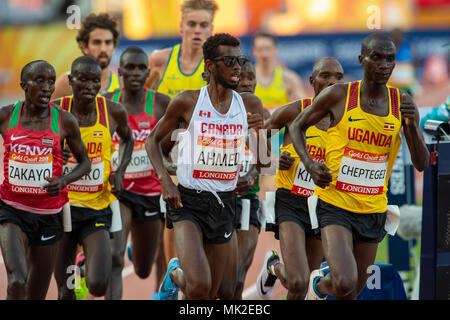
116, 181
65, 154
171, 194
55, 185
243, 185
286, 161
320, 174
255, 121
408, 109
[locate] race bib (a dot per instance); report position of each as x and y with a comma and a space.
139, 166
27, 173
362, 172
217, 158
303, 183
91, 182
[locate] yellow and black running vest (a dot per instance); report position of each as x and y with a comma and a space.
361, 151
297, 179
275, 94
94, 189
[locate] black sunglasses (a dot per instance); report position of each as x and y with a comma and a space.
229, 61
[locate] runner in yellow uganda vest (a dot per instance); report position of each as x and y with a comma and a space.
174, 80
93, 190
297, 179
361, 151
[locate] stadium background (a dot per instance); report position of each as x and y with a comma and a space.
306, 30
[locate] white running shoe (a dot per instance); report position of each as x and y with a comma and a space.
312, 294
266, 279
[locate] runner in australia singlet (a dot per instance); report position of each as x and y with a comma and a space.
361, 151
30, 157
275, 94
174, 80
297, 179
114, 83
93, 190
211, 150
139, 176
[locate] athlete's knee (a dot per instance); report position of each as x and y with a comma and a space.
344, 284
297, 286
118, 259
97, 287
142, 271
16, 286
198, 289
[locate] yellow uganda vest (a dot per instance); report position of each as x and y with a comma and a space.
93, 190
361, 151
174, 80
297, 179
275, 94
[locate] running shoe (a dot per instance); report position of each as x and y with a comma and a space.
129, 252
266, 279
168, 289
81, 290
312, 293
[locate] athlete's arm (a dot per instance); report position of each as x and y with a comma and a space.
293, 85
328, 101
5, 113
70, 131
282, 117
178, 110
126, 143
420, 156
62, 87
161, 103
157, 64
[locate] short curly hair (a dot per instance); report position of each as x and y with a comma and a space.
213, 42
100, 21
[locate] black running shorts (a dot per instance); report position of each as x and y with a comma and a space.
143, 208
367, 227
86, 221
294, 208
254, 211
41, 229
203, 208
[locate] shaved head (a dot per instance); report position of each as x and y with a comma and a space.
369, 41
85, 63
320, 62
31, 67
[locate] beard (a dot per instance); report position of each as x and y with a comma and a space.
225, 84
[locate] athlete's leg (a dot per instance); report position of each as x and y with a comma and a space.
41, 263
223, 260
65, 267
118, 247
294, 273
247, 241
314, 252
14, 243
337, 242
169, 245
160, 260
97, 249
195, 279
365, 254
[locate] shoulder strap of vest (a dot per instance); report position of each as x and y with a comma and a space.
65, 103
149, 102
14, 118
102, 114
395, 105
117, 94
55, 120
353, 95
306, 102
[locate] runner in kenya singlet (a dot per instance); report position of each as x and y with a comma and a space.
139, 176
211, 150
93, 190
297, 179
361, 151
30, 156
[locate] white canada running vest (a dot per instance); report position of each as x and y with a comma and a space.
211, 150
